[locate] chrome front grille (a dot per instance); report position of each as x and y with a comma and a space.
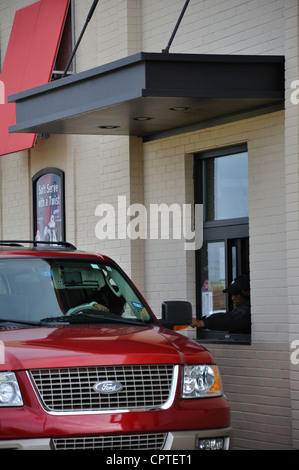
125, 442
72, 389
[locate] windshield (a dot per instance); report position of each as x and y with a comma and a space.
68, 291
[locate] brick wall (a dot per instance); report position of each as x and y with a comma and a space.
259, 381
292, 201
110, 167
165, 174
257, 384
219, 27
15, 208
14, 169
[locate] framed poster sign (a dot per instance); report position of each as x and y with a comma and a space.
48, 205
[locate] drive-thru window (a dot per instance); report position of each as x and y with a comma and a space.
221, 185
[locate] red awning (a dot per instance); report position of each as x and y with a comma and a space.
28, 62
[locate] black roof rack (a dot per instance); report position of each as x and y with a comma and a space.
35, 243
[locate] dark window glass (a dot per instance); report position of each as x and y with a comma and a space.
221, 185
66, 46
213, 273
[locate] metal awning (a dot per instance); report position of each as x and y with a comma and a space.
153, 94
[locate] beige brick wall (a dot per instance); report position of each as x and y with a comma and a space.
292, 206
165, 180
260, 383
110, 165
256, 377
218, 27
114, 31
7, 13
97, 169
15, 206
256, 383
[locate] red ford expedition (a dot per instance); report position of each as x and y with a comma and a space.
85, 364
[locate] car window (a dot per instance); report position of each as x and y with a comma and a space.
76, 291
3, 286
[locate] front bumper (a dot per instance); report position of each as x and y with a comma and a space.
187, 440
178, 440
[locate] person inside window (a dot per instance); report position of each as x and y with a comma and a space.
237, 320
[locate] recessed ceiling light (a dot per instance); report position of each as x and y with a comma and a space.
142, 118
108, 127
179, 108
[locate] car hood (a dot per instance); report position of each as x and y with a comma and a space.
75, 346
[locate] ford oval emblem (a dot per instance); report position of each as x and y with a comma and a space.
108, 387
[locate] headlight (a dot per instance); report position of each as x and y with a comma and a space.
201, 381
10, 394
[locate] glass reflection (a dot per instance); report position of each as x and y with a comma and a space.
226, 187
213, 271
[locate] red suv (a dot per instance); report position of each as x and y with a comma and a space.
85, 364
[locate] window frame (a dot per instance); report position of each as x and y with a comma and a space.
227, 231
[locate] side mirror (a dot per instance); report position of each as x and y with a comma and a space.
175, 313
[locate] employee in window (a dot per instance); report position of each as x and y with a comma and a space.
234, 321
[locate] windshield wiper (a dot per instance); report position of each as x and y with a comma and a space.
107, 318
21, 322
76, 317
60, 319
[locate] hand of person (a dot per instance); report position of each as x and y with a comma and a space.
101, 307
197, 323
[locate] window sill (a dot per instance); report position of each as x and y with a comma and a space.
222, 337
